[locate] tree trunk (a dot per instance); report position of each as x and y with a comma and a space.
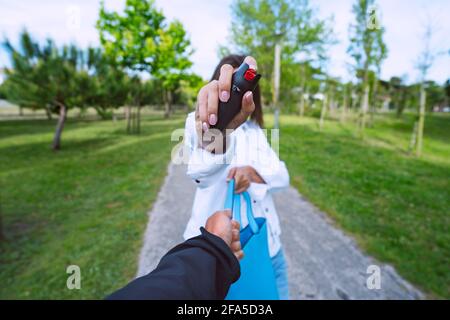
400, 102
365, 100
399, 110
344, 106
421, 121
276, 85
138, 119
301, 109
412, 143
167, 104
323, 112
364, 108
354, 100
373, 105
331, 103
133, 120
59, 127
128, 118
303, 89
48, 113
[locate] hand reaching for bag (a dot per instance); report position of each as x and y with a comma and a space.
243, 176
221, 225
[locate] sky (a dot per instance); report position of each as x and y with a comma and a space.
208, 23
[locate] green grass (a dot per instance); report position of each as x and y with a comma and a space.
396, 205
85, 205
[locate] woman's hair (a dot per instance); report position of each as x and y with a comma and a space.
235, 61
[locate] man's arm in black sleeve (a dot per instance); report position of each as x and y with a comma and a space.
200, 268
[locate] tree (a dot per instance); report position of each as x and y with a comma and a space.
397, 94
297, 85
346, 98
436, 95
173, 61
259, 25
367, 48
19, 85
46, 77
140, 40
2, 90
329, 89
447, 90
303, 88
131, 39
108, 84
424, 63
137, 96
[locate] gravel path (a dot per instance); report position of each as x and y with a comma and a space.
323, 262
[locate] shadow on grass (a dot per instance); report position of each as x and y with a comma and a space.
14, 128
32, 155
21, 127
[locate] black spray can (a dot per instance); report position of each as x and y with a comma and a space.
244, 79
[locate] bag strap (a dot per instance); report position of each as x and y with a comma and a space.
230, 196
250, 217
233, 203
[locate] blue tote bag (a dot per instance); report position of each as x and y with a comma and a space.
257, 281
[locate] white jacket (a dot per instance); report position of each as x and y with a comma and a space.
248, 146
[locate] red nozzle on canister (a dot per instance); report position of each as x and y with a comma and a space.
250, 74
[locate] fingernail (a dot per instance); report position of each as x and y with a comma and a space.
224, 96
212, 119
249, 96
205, 127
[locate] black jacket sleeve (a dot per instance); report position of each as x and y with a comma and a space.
200, 268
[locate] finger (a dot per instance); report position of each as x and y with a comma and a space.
243, 188
242, 183
198, 127
226, 73
251, 62
236, 246
235, 224
228, 214
202, 101
213, 101
235, 235
238, 181
248, 106
231, 174
239, 255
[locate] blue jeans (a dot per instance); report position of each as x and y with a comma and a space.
280, 269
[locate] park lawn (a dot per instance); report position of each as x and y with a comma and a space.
396, 205
85, 205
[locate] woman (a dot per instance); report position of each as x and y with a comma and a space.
245, 156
